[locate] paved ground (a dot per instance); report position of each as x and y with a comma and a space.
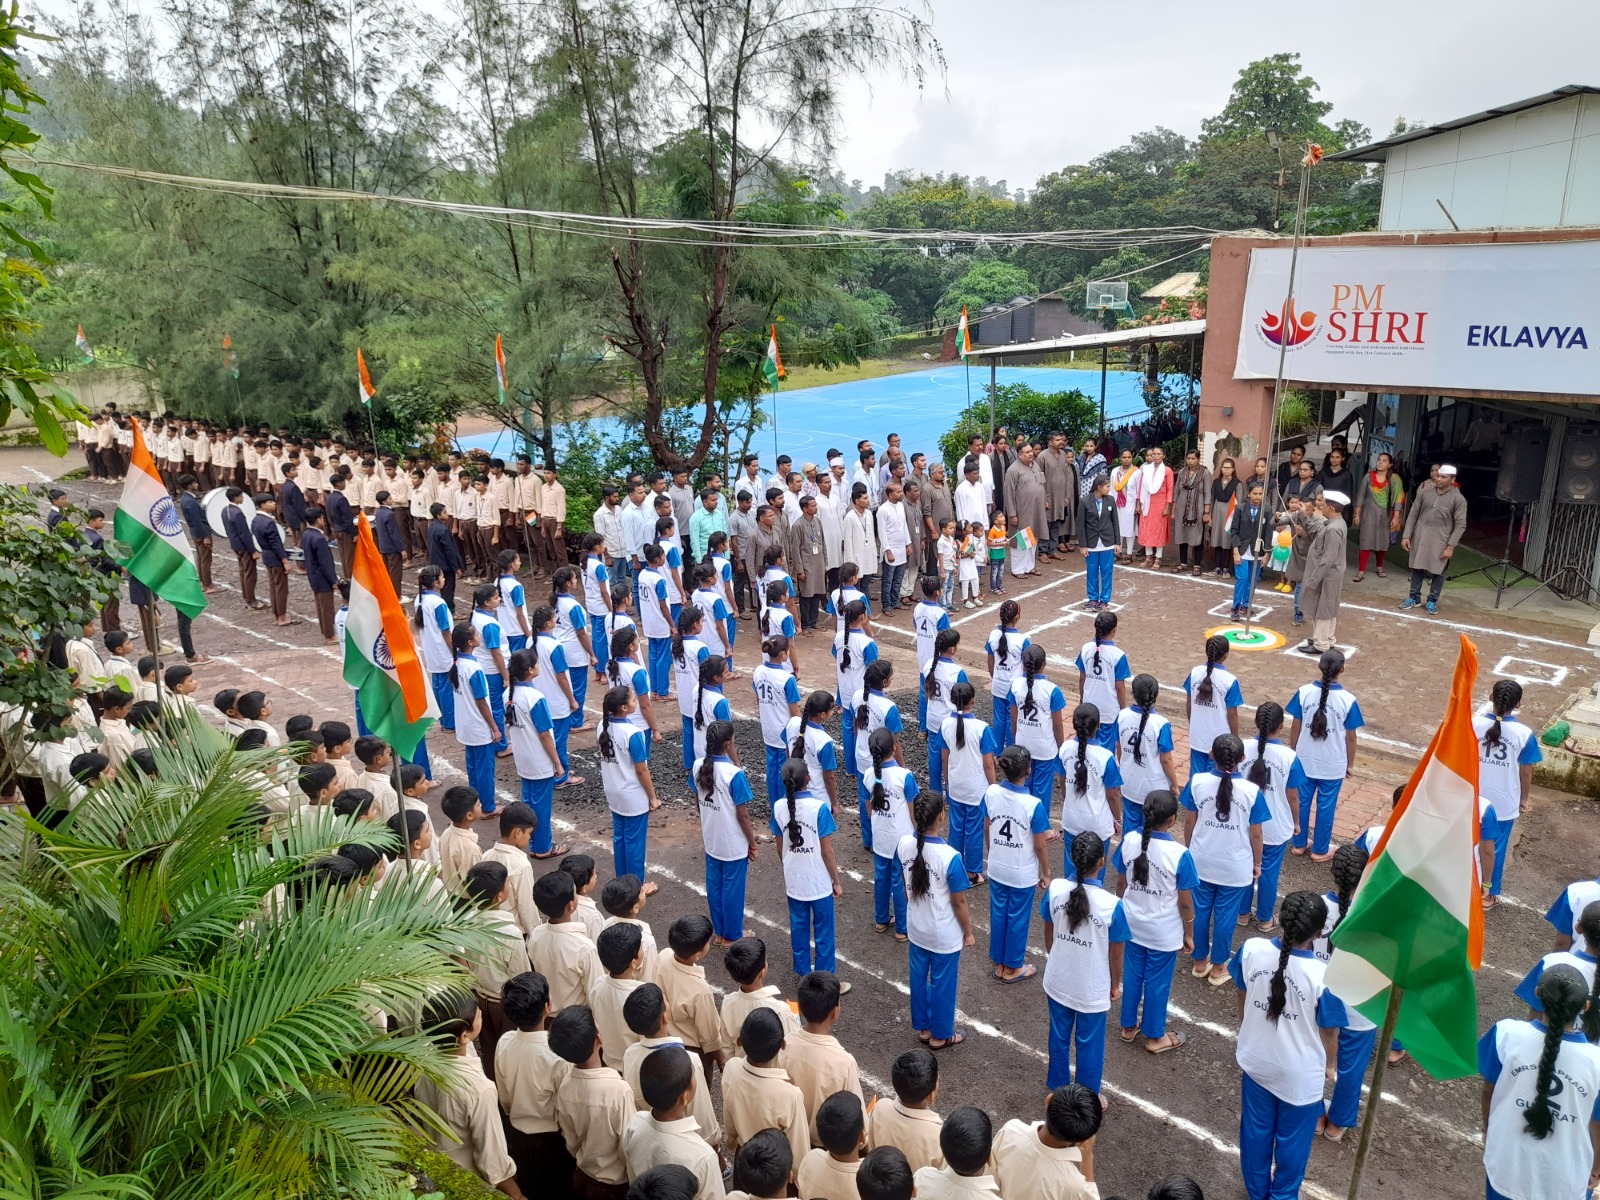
1178, 1112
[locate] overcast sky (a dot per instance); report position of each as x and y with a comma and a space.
1036, 85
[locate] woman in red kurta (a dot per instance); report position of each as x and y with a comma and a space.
1155, 506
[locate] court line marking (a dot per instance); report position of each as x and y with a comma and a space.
1503, 667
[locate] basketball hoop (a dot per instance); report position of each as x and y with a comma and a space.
1108, 296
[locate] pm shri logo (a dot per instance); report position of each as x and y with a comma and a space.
164, 517
1288, 328
381, 654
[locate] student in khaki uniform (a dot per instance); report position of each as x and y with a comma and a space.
527, 1076
517, 824
691, 1006
884, 1175
762, 1167
619, 951
908, 1121
593, 1107
1052, 1159
560, 949
746, 962
458, 845
588, 914
377, 771
623, 899
817, 1063
756, 1091
965, 1142
486, 888
667, 1134
338, 742
473, 1137
829, 1171
645, 1011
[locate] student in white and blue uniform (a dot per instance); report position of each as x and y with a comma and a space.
513, 611
655, 618
434, 623
491, 651
722, 575
928, 617
624, 670
1004, 649
772, 571
1017, 824
1092, 797
1088, 928
625, 775
777, 621
1037, 721
708, 598
868, 711
941, 674
531, 733
1580, 960
1357, 1035
777, 699
847, 591
968, 768
1223, 829
1543, 1084
555, 683
671, 563
1156, 882
1144, 752
1507, 753
688, 652
1280, 1051
725, 830
890, 791
808, 738
597, 597
476, 729
572, 627
1275, 769
1213, 703
710, 706
1103, 675
937, 921
802, 827
1326, 718
853, 652
1567, 909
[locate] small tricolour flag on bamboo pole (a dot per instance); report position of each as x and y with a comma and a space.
1416, 922
366, 391
84, 349
1025, 540
148, 523
380, 653
963, 336
772, 364
230, 357
500, 368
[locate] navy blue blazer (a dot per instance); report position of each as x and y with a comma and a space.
273, 555
442, 551
386, 532
321, 574
341, 517
238, 530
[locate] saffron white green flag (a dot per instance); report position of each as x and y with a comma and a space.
380, 654
149, 524
1416, 922
772, 364
963, 337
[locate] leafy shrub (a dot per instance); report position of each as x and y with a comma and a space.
1025, 410
1295, 413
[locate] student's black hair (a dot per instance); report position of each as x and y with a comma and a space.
1086, 851
145, 761
925, 813
352, 802
447, 1015
1105, 624
144, 714
965, 1140
874, 679
945, 641
840, 1123
1010, 610
1073, 1113
1349, 861
1146, 691
711, 668
517, 815
562, 581
333, 733
643, 1009
505, 558
1175, 1187
298, 728
652, 553
1331, 664
147, 665
621, 647
817, 706
115, 639
225, 701
962, 696
689, 934
573, 1034
1015, 763
316, 776
410, 776
483, 593
665, 1075
914, 1075
744, 960
688, 621
1032, 666
611, 706
1269, 719
407, 827
1085, 724
1303, 916
880, 745
331, 873
485, 881
88, 766
114, 698
1159, 807
552, 893
1589, 928
429, 579
369, 749
250, 705
885, 1174
619, 896
1564, 995
817, 995
763, 1165
853, 612
1227, 752
1216, 652
461, 639
250, 739
365, 859
704, 573
670, 1181
1504, 697
580, 867
618, 945
761, 1035
457, 801
176, 674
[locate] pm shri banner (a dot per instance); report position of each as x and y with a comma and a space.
1507, 318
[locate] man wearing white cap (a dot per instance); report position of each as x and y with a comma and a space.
1324, 578
1433, 527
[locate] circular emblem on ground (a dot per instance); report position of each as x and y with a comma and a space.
380, 653
164, 518
1256, 638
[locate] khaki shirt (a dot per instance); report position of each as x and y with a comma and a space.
915, 1131
823, 1177
519, 885
527, 1076
504, 490
736, 1006
344, 775
647, 947
553, 503
385, 803
648, 1143
691, 1008
1026, 1169
469, 1109
700, 1108
606, 998
941, 1183
459, 852
398, 486
588, 915
530, 492
566, 957
488, 507
820, 1066
593, 1107
757, 1098
368, 487
491, 968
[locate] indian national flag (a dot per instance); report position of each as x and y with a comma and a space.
365, 392
148, 523
772, 364
1025, 540
380, 654
1416, 922
500, 368
84, 349
963, 336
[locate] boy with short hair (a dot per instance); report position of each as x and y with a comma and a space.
756, 1091
181, 684
560, 949
316, 784
817, 1063
119, 742
458, 845
353, 802
593, 1108
667, 1133
829, 1171
691, 1006
909, 1121
619, 948
485, 888
517, 824
377, 762
1052, 1159
119, 671
885, 1175
413, 786
746, 961
336, 740
588, 914
965, 1141
645, 1011
147, 687
762, 1167
528, 1074
623, 899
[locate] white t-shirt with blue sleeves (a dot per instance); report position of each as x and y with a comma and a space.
625, 794
719, 811
1500, 763
863, 652
513, 602
652, 591
1221, 847
471, 686
776, 689
1090, 811
713, 629
637, 679
930, 919
1324, 758
527, 716
1208, 722
1007, 666
1100, 678
490, 638
714, 706
946, 674
1284, 774
927, 619
1518, 1166
570, 622
882, 713
966, 782
1016, 817
1140, 778
672, 562
821, 756
596, 586
437, 627
1568, 907
1077, 969
805, 875
686, 674
1584, 964
1154, 920
552, 666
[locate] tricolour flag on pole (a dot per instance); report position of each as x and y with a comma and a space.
1025, 540
86, 350
366, 391
500, 368
230, 357
148, 523
772, 364
1416, 922
380, 654
963, 336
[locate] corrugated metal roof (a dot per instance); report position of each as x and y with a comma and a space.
1172, 331
1180, 285
1379, 151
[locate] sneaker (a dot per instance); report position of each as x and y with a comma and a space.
1309, 648
1433, 605
1410, 602
1299, 619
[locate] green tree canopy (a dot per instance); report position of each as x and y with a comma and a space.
987, 281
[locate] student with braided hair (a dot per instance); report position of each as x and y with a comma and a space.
729, 839
1507, 753
890, 791
1092, 796
710, 705
655, 618
554, 681
1103, 675
1285, 1042
1213, 703
777, 700
1016, 826
1326, 718
1083, 970
1275, 769
928, 619
1144, 751
967, 749
940, 675
1004, 649
866, 712
1357, 1035
708, 597
689, 654
808, 739
531, 733
853, 652
1156, 881
802, 828
1582, 961
573, 630
1533, 1144
1224, 813
624, 670
625, 776
1036, 710
937, 921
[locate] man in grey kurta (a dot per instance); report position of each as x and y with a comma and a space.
910, 586
808, 564
938, 506
1027, 503
1434, 526
767, 535
1324, 579
1061, 489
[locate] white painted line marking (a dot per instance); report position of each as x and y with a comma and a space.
1348, 651
1258, 612
1528, 671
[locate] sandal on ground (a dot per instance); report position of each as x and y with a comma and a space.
1382, 574
1244, 919
1179, 1041
1269, 926
1490, 902
1201, 968
1328, 1133
572, 781
1360, 575
846, 987
650, 889
560, 851
876, 928
1299, 851
1028, 972
1396, 1057
1323, 858
1128, 1036
902, 937
1216, 980
924, 1038
956, 1039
